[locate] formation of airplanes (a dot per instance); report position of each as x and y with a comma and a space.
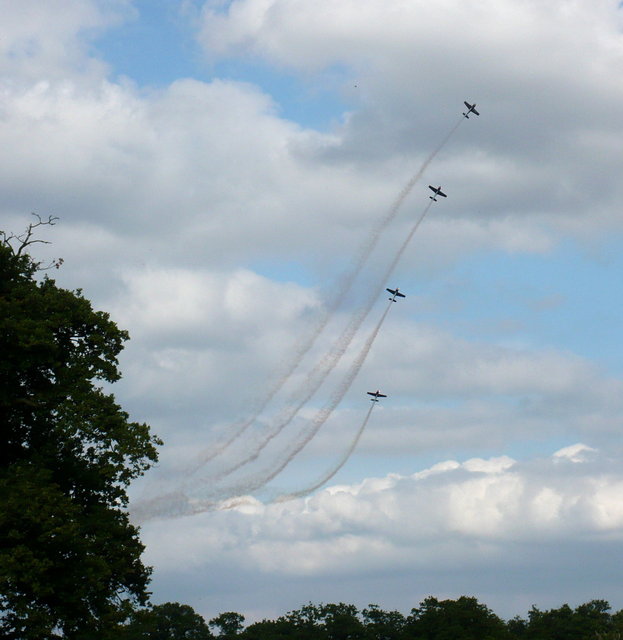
471, 108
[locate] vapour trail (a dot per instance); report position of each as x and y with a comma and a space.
323, 415
320, 418
363, 254
309, 387
322, 370
177, 503
353, 445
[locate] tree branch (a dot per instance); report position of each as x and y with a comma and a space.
18, 243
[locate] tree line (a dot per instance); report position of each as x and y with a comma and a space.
462, 619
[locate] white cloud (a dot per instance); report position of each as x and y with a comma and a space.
220, 305
497, 512
574, 453
550, 107
275, 26
498, 499
41, 40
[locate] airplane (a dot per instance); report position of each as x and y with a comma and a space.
471, 108
395, 292
377, 394
437, 191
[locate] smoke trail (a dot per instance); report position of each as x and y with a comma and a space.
322, 416
363, 254
176, 503
325, 366
252, 484
353, 445
314, 381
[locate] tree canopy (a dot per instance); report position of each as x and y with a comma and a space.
433, 619
168, 621
69, 558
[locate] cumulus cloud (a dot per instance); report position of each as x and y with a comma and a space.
45, 40
500, 499
453, 513
550, 108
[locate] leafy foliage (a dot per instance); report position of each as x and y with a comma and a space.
69, 557
168, 621
589, 620
464, 618
434, 619
229, 624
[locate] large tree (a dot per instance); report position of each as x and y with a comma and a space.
168, 621
464, 618
69, 558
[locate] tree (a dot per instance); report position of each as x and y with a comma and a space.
69, 558
382, 625
586, 621
229, 624
464, 618
279, 629
168, 621
555, 624
326, 621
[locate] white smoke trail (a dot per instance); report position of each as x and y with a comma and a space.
342, 461
322, 370
177, 503
327, 364
323, 415
363, 254
263, 478
306, 391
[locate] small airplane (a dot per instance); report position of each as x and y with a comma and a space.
471, 108
437, 191
395, 292
376, 395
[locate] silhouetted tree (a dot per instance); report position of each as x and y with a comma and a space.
382, 625
168, 621
464, 618
229, 624
69, 558
565, 623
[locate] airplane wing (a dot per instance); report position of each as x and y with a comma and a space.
400, 295
381, 395
394, 293
441, 193
467, 104
476, 112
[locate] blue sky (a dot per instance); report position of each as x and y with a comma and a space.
570, 296
159, 46
218, 169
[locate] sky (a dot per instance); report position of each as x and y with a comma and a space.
237, 182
